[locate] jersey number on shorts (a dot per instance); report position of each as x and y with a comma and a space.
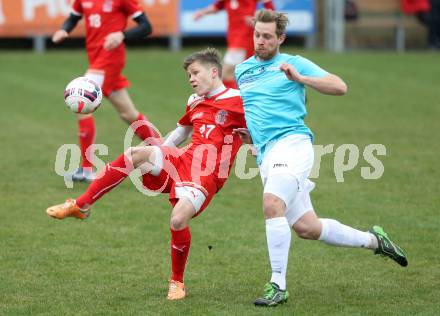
206, 129
95, 20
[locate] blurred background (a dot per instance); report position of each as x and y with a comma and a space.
117, 263
335, 25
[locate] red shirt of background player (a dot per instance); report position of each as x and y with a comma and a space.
240, 29
103, 17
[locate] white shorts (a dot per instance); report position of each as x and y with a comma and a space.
285, 170
234, 56
97, 77
194, 195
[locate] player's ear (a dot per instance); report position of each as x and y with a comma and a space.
214, 72
281, 39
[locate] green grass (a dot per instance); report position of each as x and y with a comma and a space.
117, 262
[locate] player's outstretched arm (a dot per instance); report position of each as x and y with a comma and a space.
329, 84
213, 8
178, 136
142, 30
68, 25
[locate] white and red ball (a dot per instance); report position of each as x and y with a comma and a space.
82, 95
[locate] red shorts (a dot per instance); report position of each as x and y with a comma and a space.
176, 172
110, 63
242, 38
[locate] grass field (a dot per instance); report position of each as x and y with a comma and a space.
117, 262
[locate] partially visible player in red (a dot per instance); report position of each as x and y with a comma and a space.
106, 21
240, 40
192, 175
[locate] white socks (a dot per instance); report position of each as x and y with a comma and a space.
337, 234
278, 236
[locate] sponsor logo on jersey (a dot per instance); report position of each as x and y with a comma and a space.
87, 5
251, 75
107, 6
260, 70
196, 116
255, 71
273, 68
234, 4
220, 117
247, 80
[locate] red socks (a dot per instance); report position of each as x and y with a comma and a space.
87, 132
230, 84
146, 130
113, 174
180, 244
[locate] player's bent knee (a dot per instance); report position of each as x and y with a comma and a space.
178, 222
307, 230
139, 155
279, 191
136, 157
273, 206
129, 153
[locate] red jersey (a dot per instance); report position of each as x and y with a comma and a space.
240, 30
237, 10
213, 147
104, 17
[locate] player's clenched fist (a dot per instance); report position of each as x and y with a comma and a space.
59, 36
198, 15
113, 40
291, 72
244, 134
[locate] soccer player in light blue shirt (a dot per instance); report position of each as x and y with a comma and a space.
282, 111
273, 89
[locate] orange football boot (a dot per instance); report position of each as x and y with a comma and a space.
176, 290
67, 209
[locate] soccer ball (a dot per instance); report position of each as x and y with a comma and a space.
82, 95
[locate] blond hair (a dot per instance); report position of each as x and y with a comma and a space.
268, 16
209, 56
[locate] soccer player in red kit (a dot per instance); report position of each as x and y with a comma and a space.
239, 33
193, 174
106, 21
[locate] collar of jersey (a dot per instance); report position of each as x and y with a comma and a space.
274, 58
215, 96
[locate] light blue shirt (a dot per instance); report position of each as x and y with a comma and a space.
274, 106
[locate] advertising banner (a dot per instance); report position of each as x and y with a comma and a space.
25, 18
301, 15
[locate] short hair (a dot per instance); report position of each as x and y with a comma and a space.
208, 56
268, 16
